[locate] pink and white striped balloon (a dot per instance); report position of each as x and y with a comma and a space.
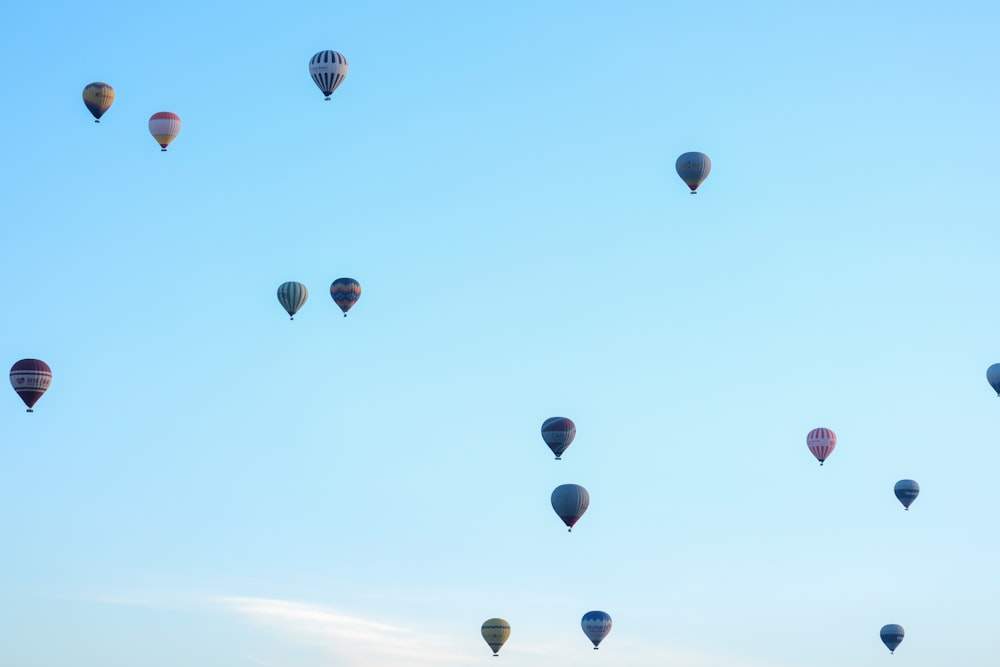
821, 442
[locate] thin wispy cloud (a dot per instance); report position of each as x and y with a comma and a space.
350, 638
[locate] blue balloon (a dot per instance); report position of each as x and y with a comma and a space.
558, 434
693, 168
892, 636
906, 491
993, 377
596, 625
570, 501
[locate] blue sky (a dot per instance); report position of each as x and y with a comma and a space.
208, 483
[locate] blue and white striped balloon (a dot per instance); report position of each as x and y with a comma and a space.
328, 69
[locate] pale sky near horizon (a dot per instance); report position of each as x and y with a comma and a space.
207, 483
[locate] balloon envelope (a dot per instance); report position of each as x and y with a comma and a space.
906, 491
892, 636
292, 296
570, 501
993, 377
30, 378
328, 70
164, 126
495, 632
98, 97
821, 442
345, 293
596, 625
693, 168
558, 434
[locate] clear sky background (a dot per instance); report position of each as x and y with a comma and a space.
209, 484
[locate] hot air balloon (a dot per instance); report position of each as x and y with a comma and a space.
906, 491
30, 378
693, 168
328, 69
558, 434
892, 636
821, 442
495, 632
292, 295
164, 126
98, 97
345, 293
596, 625
993, 377
570, 501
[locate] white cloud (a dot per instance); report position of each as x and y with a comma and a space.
351, 639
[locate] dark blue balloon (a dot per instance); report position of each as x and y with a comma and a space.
993, 377
906, 491
558, 434
892, 636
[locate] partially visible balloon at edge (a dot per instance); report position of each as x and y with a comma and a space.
993, 377
98, 98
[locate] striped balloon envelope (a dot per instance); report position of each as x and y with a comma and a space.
693, 168
30, 379
570, 501
821, 442
292, 296
345, 293
98, 97
495, 631
558, 434
164, 126
328, 70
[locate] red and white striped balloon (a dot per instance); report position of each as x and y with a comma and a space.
821, 442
